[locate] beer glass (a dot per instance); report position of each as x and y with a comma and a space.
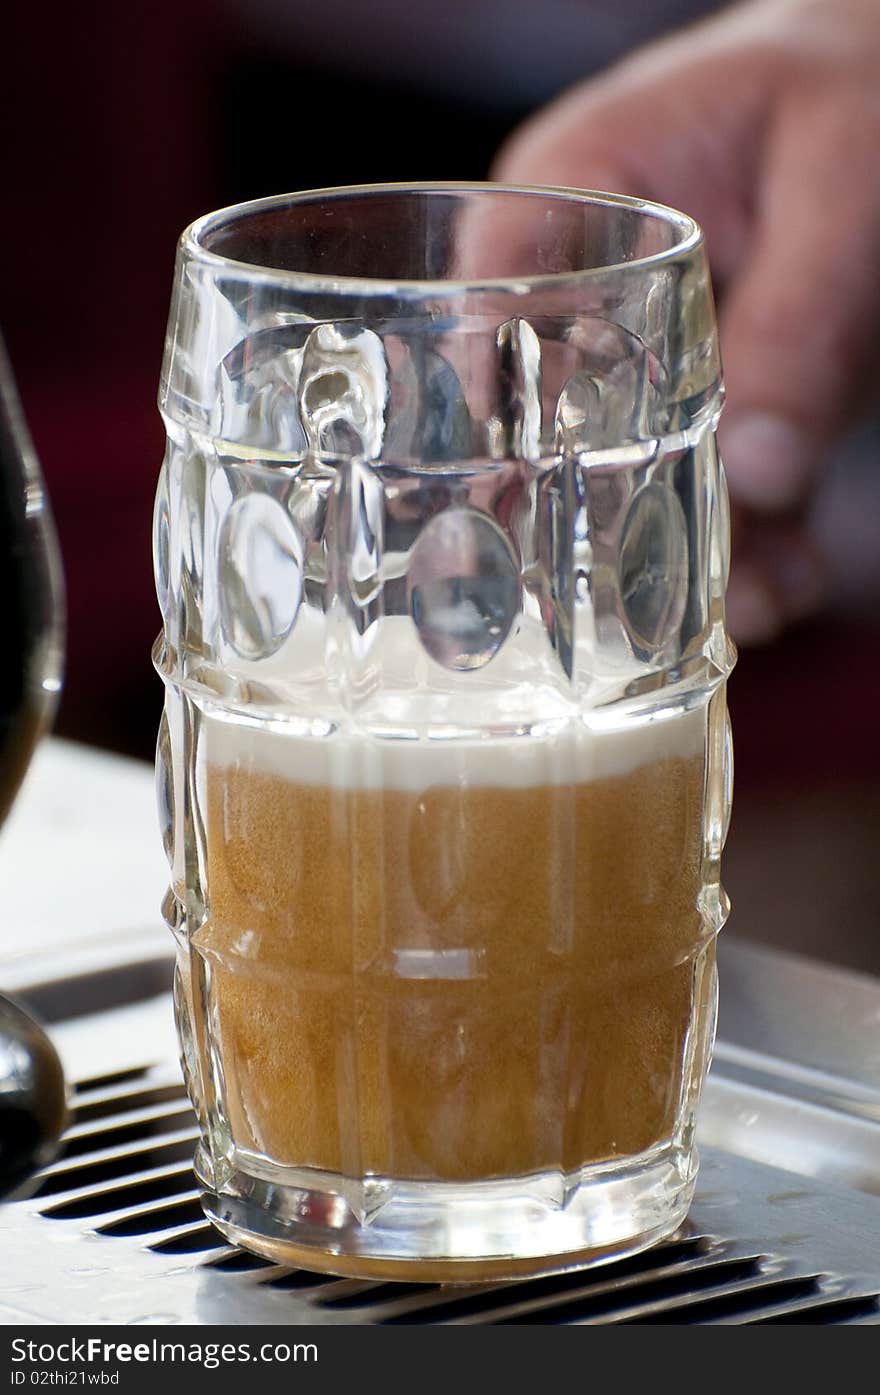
444, 769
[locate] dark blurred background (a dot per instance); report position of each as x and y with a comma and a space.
121, 123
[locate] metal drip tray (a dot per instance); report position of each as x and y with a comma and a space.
785, 1226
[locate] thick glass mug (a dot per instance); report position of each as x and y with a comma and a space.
444, 772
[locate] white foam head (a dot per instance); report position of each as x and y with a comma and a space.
394, 718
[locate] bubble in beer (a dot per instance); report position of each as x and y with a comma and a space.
463, 588
653, 566
260, 575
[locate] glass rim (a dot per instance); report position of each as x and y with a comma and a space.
689, 241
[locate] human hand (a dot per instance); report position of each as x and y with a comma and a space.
764, 124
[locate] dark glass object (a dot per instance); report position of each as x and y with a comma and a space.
32, 1099
32, 596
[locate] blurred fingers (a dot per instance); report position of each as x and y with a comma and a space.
798, 322
778, 578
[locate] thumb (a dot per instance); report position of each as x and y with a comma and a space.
797, 319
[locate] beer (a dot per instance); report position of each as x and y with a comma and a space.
458, 960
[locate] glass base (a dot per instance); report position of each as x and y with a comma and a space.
450, 1232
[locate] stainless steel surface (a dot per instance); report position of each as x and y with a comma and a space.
785, 1007
785, 1225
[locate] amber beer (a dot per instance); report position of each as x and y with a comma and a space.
485, 961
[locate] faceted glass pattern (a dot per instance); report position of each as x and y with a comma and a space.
444, 772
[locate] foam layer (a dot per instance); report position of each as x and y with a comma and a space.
387, 716
353, 758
